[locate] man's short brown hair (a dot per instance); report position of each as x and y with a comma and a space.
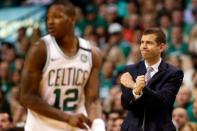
161, 37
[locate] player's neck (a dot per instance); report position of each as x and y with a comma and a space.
69, 44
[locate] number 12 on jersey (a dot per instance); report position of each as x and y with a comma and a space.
72, 98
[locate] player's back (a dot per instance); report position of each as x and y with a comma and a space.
62, 84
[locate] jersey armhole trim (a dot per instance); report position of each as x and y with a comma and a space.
91, 54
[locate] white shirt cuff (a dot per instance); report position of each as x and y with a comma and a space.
137, 96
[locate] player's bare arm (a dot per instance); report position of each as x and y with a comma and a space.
92, 87
92, 103
29, 95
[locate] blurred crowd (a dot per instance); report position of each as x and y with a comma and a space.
115, 27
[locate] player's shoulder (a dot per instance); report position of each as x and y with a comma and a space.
38, 48
36, 57
84, 44
96, 54
89, 46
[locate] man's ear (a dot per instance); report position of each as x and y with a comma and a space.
72, 20
162, 47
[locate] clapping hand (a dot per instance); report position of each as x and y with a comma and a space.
127, 80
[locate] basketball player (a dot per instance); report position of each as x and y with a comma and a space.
60, 78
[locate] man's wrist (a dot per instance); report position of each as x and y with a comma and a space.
132, 86
136, 96
137, 91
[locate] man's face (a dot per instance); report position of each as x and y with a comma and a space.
183, 97
117, 124
177, 17
57, 21
177, 34
5, 122
195, 108
149, 48
179, 115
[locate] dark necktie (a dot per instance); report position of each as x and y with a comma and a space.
147, 78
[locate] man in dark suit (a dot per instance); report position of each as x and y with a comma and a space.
149, 87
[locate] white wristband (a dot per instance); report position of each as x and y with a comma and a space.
98, 125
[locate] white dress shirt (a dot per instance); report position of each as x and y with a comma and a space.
155, 70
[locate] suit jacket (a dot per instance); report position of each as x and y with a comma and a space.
153, 110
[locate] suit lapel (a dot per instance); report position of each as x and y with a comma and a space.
141, 68
162, 69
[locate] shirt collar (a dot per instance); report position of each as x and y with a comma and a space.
155, 66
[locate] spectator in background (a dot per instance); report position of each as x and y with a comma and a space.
4, 105
102, 35
184, 97
5, 122
189, 127
135, 55
164, 23
79, 17
4, 49
19, 63
22, 44
113, 115
35, 36
24, 47
179, 117
148, 21
109, 101
192, 111
116, 56
90, 35
188, 70
194, 14
168, 6
133, 7
175, 60
116, 103
121, 5
91, 18
10, 56
188, 12
133, 25
111, 15
194, 80
116, 42
193, 40
148, 7
117, 123
16, 77
178, 20
106, 78
177, 46
4, 77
